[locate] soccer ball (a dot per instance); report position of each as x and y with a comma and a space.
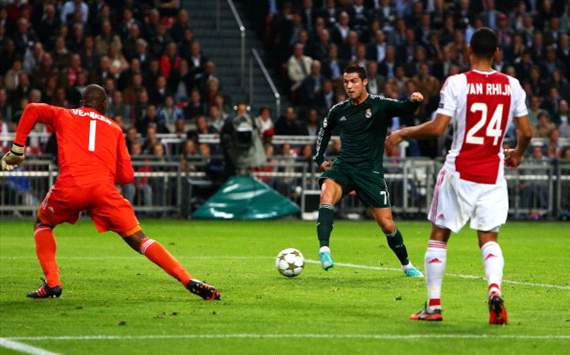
290, 262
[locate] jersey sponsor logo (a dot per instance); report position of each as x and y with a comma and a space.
342, 119
368, 113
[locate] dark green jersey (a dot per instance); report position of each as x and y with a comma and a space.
362, 129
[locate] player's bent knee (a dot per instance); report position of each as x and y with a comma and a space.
330, 192
388, 227
136, 241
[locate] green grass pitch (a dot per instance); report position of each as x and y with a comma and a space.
135, 308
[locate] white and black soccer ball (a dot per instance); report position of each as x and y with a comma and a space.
290, 262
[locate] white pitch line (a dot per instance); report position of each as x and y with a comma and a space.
294, 336
463, 276
23, 348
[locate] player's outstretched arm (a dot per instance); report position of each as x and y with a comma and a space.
513, 157
430, 129
33, 114
13, 158
405, 107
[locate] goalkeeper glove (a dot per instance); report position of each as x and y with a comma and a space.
13, 158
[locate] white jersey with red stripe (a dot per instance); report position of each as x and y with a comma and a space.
481, 105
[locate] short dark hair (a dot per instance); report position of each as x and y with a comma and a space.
356, 69
484, 43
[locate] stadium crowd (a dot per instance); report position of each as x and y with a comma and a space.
409, 45
159, 79
143, 52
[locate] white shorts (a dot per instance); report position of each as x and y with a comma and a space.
455, 201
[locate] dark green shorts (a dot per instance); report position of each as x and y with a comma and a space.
369, 185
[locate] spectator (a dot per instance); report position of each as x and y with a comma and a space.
24, 35
33, 57
264, 122
535, 110
333, 66
375, 80
348, 49
197, 61
182, 23
553, 148
160, 91
150, 119
71, 7
427, 84
544, 126
12, 78
133, 89
169, 113
47, 28
185, 47
208, 74
387, 68
132, 138
202, 127
313, 123
298, 66
170, 61
564, 119
311, 86
377, 49
341, 29
320, 48
288, 125
195, 106
105, 38
215, 117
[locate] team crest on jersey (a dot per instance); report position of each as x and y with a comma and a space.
368, 113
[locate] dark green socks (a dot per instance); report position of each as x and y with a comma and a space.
396, 243
325, 224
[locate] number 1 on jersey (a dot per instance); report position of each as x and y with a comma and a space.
92, 132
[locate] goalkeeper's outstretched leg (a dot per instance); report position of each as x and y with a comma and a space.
156, 253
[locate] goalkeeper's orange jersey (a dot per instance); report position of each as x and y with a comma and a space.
91, 148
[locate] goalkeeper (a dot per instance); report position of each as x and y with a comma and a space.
93, 158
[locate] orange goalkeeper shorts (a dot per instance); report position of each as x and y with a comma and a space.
108, 209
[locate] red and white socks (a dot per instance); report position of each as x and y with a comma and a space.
493, 262
155, 252
434, 266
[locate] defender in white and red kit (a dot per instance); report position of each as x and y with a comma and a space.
471, 185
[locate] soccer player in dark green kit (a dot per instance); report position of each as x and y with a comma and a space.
362, 120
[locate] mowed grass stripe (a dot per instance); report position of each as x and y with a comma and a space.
308, 261
294, 336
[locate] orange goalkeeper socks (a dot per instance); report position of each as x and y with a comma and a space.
45, 250
154, 251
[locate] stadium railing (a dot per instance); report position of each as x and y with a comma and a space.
169, 188
257, 59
